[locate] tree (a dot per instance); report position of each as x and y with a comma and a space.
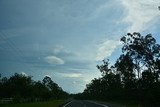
56, 91
134, 76
40, 91
23, 89
144, 52
104, 68
109, 86
125, 66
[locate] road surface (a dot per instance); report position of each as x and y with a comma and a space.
83, 103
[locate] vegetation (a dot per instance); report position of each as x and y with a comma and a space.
133, 78
22, 88
54, 103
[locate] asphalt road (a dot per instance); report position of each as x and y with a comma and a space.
83, 103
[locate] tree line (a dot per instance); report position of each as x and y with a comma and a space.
135, 76
23, 88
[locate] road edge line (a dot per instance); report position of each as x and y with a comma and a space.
67, 103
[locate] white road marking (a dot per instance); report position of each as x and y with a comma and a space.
67, 103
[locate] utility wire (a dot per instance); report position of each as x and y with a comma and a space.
17, 50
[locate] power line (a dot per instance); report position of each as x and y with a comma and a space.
15, 49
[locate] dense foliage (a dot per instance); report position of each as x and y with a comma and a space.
23, 89
133, 77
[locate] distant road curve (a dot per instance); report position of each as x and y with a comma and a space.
83, 103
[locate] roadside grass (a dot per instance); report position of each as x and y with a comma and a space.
54, 103
119, 103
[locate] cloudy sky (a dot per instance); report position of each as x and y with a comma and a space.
66, 39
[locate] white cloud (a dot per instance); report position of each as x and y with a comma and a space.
58, 49
78, 69
140, 13
74, 82
23, 73
106, 49
72, 75
47, 76
54, 60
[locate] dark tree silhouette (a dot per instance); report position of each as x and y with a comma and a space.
23, 89
134, 76
144, 51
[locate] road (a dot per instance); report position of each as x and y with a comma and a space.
83, 103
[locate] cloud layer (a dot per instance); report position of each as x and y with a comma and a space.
54, 60
71, 75
140, 14
105, 49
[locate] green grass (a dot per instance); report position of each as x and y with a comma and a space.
54, 103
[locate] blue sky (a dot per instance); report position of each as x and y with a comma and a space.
66, 39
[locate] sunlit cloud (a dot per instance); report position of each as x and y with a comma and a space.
72, 75
54, 60
58, 48
140, 14
23, 73
105, 49
47, 76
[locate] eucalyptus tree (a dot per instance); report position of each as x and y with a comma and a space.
144, 51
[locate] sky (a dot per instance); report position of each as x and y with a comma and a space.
66, 39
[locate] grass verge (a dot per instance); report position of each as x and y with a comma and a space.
54, 103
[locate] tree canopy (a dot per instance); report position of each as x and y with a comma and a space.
135, 76
23, 89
